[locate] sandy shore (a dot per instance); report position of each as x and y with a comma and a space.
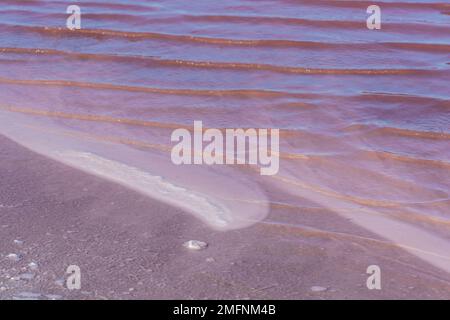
129, 246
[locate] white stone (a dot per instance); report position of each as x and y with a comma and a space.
18, 242
195, 245
318, 289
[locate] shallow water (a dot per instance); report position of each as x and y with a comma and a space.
364, 115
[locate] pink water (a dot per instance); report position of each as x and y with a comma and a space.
364, 115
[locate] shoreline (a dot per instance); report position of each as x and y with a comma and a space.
129, 246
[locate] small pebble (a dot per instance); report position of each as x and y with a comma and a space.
318, 289
27, 276
210, 260
27, 296
53, 296
195, 245
59, 282
18, 242
33, 265
13, 257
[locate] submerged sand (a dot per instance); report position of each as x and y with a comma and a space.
129, 246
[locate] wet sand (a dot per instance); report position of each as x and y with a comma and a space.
129, 246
